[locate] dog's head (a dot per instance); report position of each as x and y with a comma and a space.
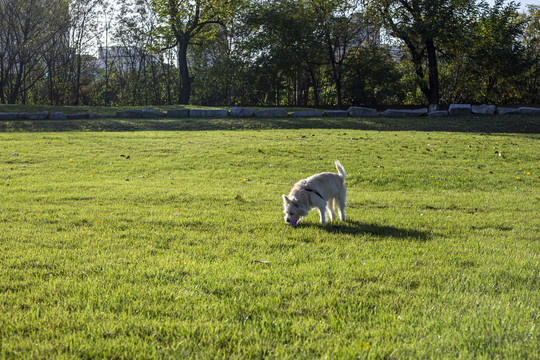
293, 211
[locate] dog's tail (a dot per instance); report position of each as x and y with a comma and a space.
340, 169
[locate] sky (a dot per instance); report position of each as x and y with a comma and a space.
524, 3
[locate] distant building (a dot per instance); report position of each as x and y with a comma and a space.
124, 58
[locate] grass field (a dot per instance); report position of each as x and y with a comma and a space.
172, 244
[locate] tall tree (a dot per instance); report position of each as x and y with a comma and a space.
532, 42
344, 30
84, 16
182, 24
425, 27
498, 54
28, 30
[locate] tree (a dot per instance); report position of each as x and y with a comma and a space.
372, 77
498, 55
532, 43
138, 67
425, 27
344, 31
284, 38
182, 23
83, 31
28, 30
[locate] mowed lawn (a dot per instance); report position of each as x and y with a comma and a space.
172, 245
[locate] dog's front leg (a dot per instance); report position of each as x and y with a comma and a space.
322, 212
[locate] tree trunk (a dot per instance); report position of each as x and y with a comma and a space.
433, 91
185, 80
315, 88
78, 79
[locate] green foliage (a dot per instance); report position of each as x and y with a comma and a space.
317, 53
190, 259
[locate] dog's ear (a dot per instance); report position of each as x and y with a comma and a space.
286, 200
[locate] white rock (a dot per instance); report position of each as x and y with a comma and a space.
152, 114
242, 112
178, 113
58, 116
336, 113
208, 113
129, 114
529, 111
307, 113
507, 111
404, 113
356, 111
438, 113
78, 116
8, 116
483, 109
272, 113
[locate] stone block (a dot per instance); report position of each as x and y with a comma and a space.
97, 116
8, 116
336, 113
404, 113
58, 116
483, 109
79, 116
242, 112
529, 111
33, 116
356, 111
152, 114
178, 113
438, 113
507, 111
459, 109
208, 113
129, 114
307, 113
272, 113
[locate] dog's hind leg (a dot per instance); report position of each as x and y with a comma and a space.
330, 207
342, 199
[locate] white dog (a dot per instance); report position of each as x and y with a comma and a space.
321, 191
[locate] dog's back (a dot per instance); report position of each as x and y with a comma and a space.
328, 184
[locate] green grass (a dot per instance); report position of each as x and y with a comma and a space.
439, 257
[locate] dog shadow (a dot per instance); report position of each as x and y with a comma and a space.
357, 228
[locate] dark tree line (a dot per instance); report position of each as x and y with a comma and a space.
320, 53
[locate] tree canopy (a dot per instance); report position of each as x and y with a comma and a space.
320, 53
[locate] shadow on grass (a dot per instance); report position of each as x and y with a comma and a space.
358, 228
487, 124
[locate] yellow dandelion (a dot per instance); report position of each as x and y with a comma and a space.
518, 178
70, 160
527, 173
